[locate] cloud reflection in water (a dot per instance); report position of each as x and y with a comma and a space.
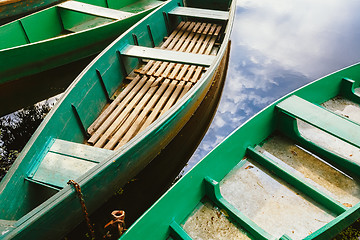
277, 47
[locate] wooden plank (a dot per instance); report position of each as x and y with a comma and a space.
78, 150
200, 13
202, 50
188, 33
174, 96
183, 48
197, 74
166, 55
116, 123
179, 35
187, 87
206, 51
160, 104
94, 10
188, 49
166, 43
96, 124
321, 118
148, 93
140, 119
177, 39
116, 111
193, 49
57, 170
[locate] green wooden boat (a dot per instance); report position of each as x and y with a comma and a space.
14, 8
65, 33
290, 172
121, 111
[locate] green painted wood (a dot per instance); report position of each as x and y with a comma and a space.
95, 10
345, 165
64, 161
348, 90
338, 224
57, 37
178, 233
167, 55
321, 118
18, 35
213, 192
200, 13
315, 194
57, 170
13, 9
191, 189
39, 211
80, 151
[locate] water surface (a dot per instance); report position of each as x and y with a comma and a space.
277, 47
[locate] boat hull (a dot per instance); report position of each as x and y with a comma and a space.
201, 183
103, 180
16, 8
29, 59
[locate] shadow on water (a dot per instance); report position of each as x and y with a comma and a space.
21, 93
15, 131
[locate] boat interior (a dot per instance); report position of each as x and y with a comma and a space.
301, 182
70, 17
128, 87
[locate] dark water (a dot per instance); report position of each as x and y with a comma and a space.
277, 47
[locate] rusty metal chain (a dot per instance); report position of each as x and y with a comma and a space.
118, 221
82, 202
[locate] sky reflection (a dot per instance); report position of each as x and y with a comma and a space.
277, 47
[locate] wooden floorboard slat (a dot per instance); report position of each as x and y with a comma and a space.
146, 110
181, 26
96, 124
125, 126
161, 86
115, 112
116, 123
159, 106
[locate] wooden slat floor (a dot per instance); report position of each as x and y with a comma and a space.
155, 88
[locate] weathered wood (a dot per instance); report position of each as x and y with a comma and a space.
103, 116
200, 13
146, 110
182, 25
67, 160
166, 55
116, 111
116, 122
159, 106
174, 96
126, 123
80, 151
94, 10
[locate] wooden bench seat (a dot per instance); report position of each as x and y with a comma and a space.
64, 160
321, 118
95, 10
156, 86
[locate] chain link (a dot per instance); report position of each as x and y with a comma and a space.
82, 202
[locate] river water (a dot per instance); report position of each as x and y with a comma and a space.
277, 47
